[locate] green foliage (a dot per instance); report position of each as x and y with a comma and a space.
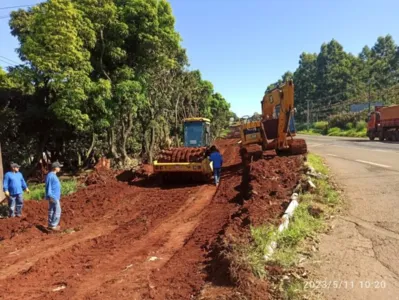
311, 131
334, 131
342, 120
322, 125
333, 75
294, 289
361, 125
317, 163
104, 76
37, 191
349, 126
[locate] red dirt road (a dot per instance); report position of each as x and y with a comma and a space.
137, 241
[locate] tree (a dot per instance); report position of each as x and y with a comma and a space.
383, 64
112, 79
1, 176
333, 75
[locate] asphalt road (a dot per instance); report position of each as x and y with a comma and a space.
361, 253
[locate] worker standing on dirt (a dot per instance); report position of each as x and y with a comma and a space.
217, 160
14, 185
53, 195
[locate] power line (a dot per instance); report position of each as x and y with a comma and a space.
7, 63
18, 6
10, 60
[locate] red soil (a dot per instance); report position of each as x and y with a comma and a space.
182, 154
137, 240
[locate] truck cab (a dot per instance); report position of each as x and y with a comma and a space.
373, 123
197, 132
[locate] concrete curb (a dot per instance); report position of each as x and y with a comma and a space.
285, 220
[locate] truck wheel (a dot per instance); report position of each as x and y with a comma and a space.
371, 136
388, 136
381, 136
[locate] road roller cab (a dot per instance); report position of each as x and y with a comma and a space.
192, 160
197, 132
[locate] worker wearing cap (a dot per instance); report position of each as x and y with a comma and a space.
14, 185
216, 158
53, 195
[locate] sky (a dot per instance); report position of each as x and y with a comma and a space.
242, 46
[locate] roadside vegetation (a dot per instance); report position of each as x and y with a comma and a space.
297, 242
346, 124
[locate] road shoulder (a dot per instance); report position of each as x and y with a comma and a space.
357, 259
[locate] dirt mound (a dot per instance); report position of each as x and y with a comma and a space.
85, 205
268, 184
100, 176
103, 163
272, 182
183, 154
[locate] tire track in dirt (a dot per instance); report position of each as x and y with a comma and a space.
89, 260
17, 259
192, 266
161, 243
108, 257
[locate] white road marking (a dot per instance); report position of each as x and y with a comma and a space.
332, 155
372, 163
379, 150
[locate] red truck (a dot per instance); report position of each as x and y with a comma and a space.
384, 123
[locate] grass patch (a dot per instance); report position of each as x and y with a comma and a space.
289, 242
294, 290
317, 163
309, 132
302, 226
296, 239
37, 191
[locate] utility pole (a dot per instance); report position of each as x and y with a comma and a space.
369, 95
308, 114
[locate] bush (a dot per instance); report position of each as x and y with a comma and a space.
361, 125
334, 131
341, 120
302, 126
322, 125
349, 126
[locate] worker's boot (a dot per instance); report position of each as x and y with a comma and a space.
56, 228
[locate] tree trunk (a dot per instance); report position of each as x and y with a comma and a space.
151, 148
79, 159
126, 130
1, 176
39, 155
111, 143
88, 153
177, 123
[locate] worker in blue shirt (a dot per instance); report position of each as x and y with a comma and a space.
53, 195
216, 158
14, 185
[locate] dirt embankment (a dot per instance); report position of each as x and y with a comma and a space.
143, 241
